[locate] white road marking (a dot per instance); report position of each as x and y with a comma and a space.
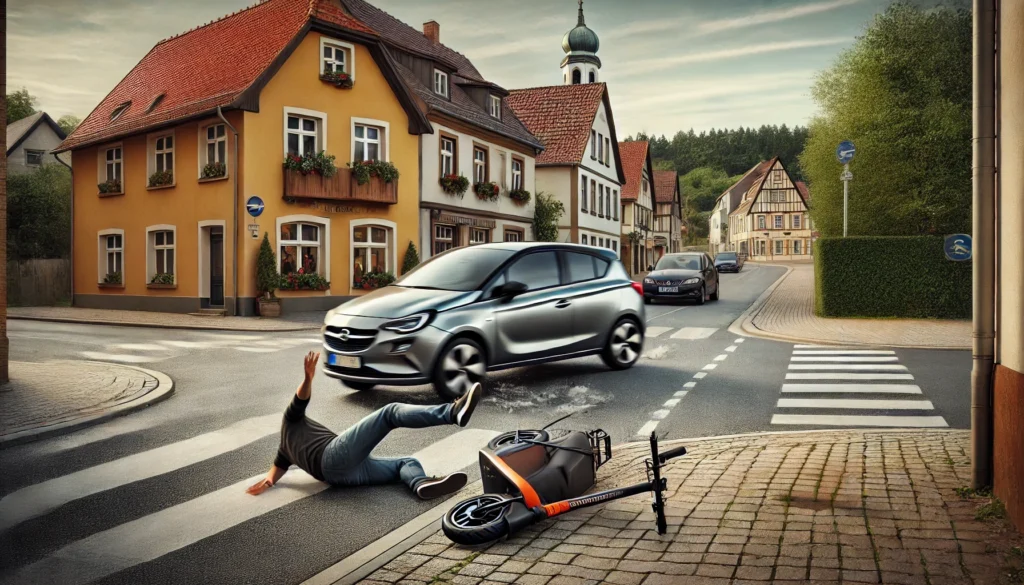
844, 359
258, 349
689, 385
860, 421
694, 333
232, 337
720, 358
842, 352
41, 498
659, 414
700, 375
648, 428
855, 404
739, 340
140, 346
667, 313
852, 388
880, 367
123, 358
848, 376
656, 353
731, 348
710, 366
671, 402
171, 529
680, 394
654, 331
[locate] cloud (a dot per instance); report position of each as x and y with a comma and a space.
705, 89
768, 16
731, 53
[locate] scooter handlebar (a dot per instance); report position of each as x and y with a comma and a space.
671, 454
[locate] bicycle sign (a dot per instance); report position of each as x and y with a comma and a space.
958, 247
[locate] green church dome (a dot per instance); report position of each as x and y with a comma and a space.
581, 39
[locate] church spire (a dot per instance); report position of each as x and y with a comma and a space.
580, 21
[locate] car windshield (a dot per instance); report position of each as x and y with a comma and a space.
462, 269
725, 257
679, 263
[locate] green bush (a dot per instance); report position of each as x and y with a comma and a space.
906, 277
267, 278
412, 258
39, 213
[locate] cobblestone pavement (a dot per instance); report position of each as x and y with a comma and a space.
296, 322
44, 394
789, 312
824, 507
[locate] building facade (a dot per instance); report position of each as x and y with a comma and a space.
772, 220
668, 216
638, 234
30, 143
729, 200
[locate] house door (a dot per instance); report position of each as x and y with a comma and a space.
217, 267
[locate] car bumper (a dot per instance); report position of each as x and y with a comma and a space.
687, 291
394, 359
728, 268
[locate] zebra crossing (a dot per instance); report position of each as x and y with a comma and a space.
827, 386
160, 350
684, 333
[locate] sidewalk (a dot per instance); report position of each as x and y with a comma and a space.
48, 398
788, 314
820, 507
295, 322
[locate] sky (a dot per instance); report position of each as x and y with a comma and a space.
670, 65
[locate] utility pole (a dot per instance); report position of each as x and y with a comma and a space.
844, 153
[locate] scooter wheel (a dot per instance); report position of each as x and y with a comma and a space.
510, 438
463, 526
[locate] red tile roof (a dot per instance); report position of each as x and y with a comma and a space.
561, 116
802, 188
755, 179
665, 185
634, 159
203, 68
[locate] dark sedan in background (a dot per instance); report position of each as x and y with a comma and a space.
683, 276
728, 262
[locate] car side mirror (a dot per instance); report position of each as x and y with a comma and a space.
510, 289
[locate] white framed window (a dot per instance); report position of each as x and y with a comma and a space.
440, 83
583, 240
495, 107
583, 192
373, 246
448, 146
593, 197
760, 222
779, 222
337, 57
479, 164
112, 165
796, 246
213, 148
600, 147
305, 131
160, 253
779, 247
110, 257
370, 139
796, 222
300, 244
615, 246
163, 152
444, 238
513, 235
607, 151
593, 144
600, 200
34, 158
479, 236
615, 205
517, 174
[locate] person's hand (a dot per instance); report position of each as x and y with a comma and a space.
259, 487
309, 364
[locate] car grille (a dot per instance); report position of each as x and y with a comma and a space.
349, 340
668, 282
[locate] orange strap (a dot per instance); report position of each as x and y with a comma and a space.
530, 497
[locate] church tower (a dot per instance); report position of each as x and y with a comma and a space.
581, 64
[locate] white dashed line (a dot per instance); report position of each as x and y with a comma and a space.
740, 340
689, 385
671, 403
648, 428
659, 414
710, 366
656, 331
700, 375
731, 348
681, 393
720, 358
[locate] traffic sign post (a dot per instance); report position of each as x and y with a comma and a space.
254, 206
844, 154
958, 247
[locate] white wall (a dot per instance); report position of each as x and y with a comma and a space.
42, 138
607, 175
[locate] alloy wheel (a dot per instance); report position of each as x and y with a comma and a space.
463, 366
626, 342
465, 515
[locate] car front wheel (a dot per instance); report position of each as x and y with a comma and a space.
718, 289
462, 364
359, 386
702, 296
624, 345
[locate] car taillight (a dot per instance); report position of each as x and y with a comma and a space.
638, 287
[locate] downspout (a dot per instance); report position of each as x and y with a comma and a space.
71, 248
234, 229
983, 231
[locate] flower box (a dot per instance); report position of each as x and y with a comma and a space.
487, 191
454, 185
519, 196
214, 171
340, 187
302, 281
373, 280
156, 286
338, 79
110, 188
113, 285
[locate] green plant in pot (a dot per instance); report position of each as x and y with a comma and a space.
267, 280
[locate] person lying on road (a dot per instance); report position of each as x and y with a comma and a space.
344, 460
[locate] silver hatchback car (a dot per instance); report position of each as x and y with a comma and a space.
483, 308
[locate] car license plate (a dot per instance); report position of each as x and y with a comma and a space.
343, 361
668, 289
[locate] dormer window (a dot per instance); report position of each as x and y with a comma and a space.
119, 110
440, 83
156, 102
495, 107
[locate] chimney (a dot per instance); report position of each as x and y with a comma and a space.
432, 31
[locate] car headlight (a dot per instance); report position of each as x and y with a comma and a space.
648, 281
409, 324
691, 281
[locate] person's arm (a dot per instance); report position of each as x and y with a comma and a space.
309, 367
273, 476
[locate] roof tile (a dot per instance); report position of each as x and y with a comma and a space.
754, 178
665, 185
634, 159
561, 116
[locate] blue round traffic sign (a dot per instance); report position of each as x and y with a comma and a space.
254, 206
958, 247
845, 151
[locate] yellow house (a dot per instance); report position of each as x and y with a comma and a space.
179, 170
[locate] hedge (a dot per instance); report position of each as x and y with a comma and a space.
889, 277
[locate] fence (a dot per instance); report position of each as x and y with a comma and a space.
34, 283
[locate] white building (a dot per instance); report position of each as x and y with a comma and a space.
30, 142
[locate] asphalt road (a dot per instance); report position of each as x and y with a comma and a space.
156, 497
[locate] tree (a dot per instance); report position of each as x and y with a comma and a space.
20, 104
39, 213
702, 186
412, 258
546, 216
902, 94
68, 123
267, 278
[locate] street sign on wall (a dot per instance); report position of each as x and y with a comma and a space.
959, 247
845, 151
254, 206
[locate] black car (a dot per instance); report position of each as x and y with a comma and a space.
728, 262
683, 276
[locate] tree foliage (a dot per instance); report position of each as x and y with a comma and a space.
68, 123
902, 94
20, 104
411, 259
546, 214
267, 277
39, 213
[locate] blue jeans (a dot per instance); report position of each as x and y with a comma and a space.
347, 460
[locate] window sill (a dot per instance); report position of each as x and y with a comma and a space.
213, 179
110, 194
111, 285
159, 187
155, 286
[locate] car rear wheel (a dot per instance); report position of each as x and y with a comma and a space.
462, 364
359, 386
624, 345
703, 295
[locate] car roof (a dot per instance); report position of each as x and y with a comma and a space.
521, 246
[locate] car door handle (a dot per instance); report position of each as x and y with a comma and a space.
562, 304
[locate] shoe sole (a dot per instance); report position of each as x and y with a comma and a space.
472, 398
442, 487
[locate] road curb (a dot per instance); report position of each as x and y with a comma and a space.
160, 325
163, 391
737, 326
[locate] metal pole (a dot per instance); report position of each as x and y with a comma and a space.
984, 242
846, 197
235, 203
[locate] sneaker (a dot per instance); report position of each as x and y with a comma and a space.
434, 487
464, 406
